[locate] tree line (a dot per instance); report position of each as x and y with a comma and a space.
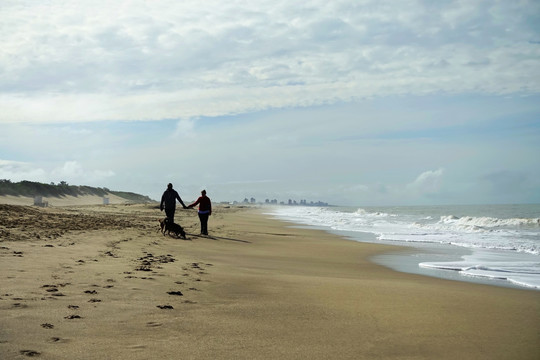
31, 189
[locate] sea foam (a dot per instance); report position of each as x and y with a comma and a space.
504, 246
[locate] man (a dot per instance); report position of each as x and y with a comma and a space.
168, 199
205, 210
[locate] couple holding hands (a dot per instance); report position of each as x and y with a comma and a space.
168, 202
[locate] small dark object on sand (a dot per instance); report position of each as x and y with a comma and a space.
165, 307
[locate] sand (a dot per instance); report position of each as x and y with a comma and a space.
63, 200
101, 282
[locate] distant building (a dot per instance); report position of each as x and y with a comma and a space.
290, 202
38, 201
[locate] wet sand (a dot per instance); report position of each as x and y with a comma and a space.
101, 282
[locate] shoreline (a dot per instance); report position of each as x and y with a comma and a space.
481, 265
256, 288
406, 258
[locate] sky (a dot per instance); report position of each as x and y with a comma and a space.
350, 102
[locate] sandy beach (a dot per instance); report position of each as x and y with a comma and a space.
101, 282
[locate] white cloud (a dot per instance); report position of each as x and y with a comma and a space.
102, 60
18, 171
428, 182
344, 101
73, 172
70, 171
185, 128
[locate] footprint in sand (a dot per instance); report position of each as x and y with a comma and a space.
19, 306
165, 307
47, 326
177, 293
30, 353
71, 317
138, 347
55, 339
143, 268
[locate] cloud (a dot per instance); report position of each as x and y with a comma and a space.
185, 128
73, 171
428, 182
18, 171
344, 101
102, 60
379, 151
70, 171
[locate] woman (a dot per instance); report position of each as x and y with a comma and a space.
205, 210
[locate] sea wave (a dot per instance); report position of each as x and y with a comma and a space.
499, 233
520, 273
512, 234
489, 222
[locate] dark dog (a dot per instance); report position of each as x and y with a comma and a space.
168, 226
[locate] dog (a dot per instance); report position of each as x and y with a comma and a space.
167, 227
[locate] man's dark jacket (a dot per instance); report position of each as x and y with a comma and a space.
169, 199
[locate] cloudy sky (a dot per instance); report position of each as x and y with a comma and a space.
352, 102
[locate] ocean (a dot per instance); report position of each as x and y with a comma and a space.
492, 244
